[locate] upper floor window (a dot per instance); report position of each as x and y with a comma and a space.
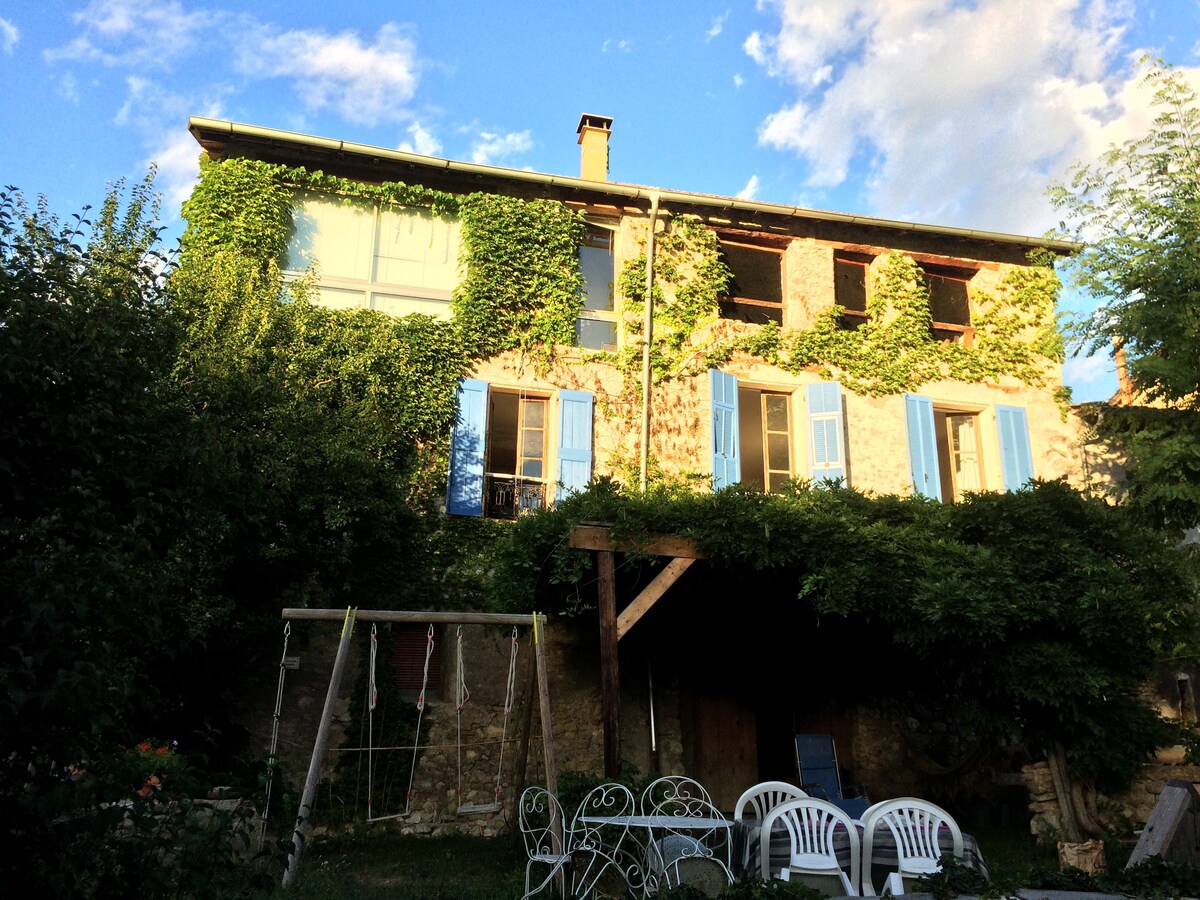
850, 272
596, 327
949, 303
395, 259
756, 294
765, 432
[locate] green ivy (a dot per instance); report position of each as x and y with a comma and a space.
1016, 333
522, 287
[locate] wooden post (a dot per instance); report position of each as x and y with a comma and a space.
543, 682
521, 776
318, 755
610, 677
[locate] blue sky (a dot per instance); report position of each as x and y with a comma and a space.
951, 112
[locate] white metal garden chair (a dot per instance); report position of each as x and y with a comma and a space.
762, 798
541, 822
812, 825
678, 792
689, 843
915, 825
595, 846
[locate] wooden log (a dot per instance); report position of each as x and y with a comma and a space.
599, 537
300, 833
651, 594
610, 678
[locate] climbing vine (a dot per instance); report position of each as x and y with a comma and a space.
894, 350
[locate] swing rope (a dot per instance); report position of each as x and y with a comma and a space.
509, 697
461, 698
420, 714
262, 836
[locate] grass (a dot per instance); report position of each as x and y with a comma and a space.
379, 864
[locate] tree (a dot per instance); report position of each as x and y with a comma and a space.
1137, 208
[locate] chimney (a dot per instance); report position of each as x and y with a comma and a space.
593, 134
1124, 383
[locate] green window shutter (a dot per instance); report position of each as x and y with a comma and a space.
574, 441
922, 446
826, 433
1016, 459
464, 487
727, 463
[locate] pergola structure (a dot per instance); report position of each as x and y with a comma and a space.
598, 538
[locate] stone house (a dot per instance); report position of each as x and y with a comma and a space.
771, 375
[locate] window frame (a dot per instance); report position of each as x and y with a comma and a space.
527, 492
762, 461
944, 330
369, 291
611, 316
852, 317
733, 306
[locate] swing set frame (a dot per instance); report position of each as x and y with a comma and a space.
349, 617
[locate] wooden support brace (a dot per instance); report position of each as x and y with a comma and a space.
651, 593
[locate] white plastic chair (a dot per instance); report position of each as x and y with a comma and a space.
914, 824
811, 825
595, 847
541, 819
764, 797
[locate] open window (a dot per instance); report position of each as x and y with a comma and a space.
756, 294
504, 455
765, 429
850, 272
948, 452
950, 303
596, 327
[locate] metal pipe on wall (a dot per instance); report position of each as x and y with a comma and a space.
647, 336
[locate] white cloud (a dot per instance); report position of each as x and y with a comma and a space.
738, 80
717, 26
177, 157
422, 141
750, 191
622, 45
492, 148
362, 82
949, 111
9, 35
1091, 377
133, 33
68, 88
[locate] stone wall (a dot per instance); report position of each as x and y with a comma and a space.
1129, 809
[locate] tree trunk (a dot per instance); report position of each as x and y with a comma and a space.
1057, 758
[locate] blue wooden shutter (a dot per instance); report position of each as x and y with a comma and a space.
574, 441
1016, 459
826, 437
922, 446
464, 487
727, 463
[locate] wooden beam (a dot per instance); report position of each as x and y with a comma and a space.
599, 537
421, 616
300, 833
650, 594
610, 678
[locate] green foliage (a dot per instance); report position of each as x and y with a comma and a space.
689, 278
894, 350
237, 205
522, 286
1039, 612
1138, 208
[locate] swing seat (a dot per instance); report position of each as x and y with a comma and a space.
475, 809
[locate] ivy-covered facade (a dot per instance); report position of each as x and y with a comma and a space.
786, 343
